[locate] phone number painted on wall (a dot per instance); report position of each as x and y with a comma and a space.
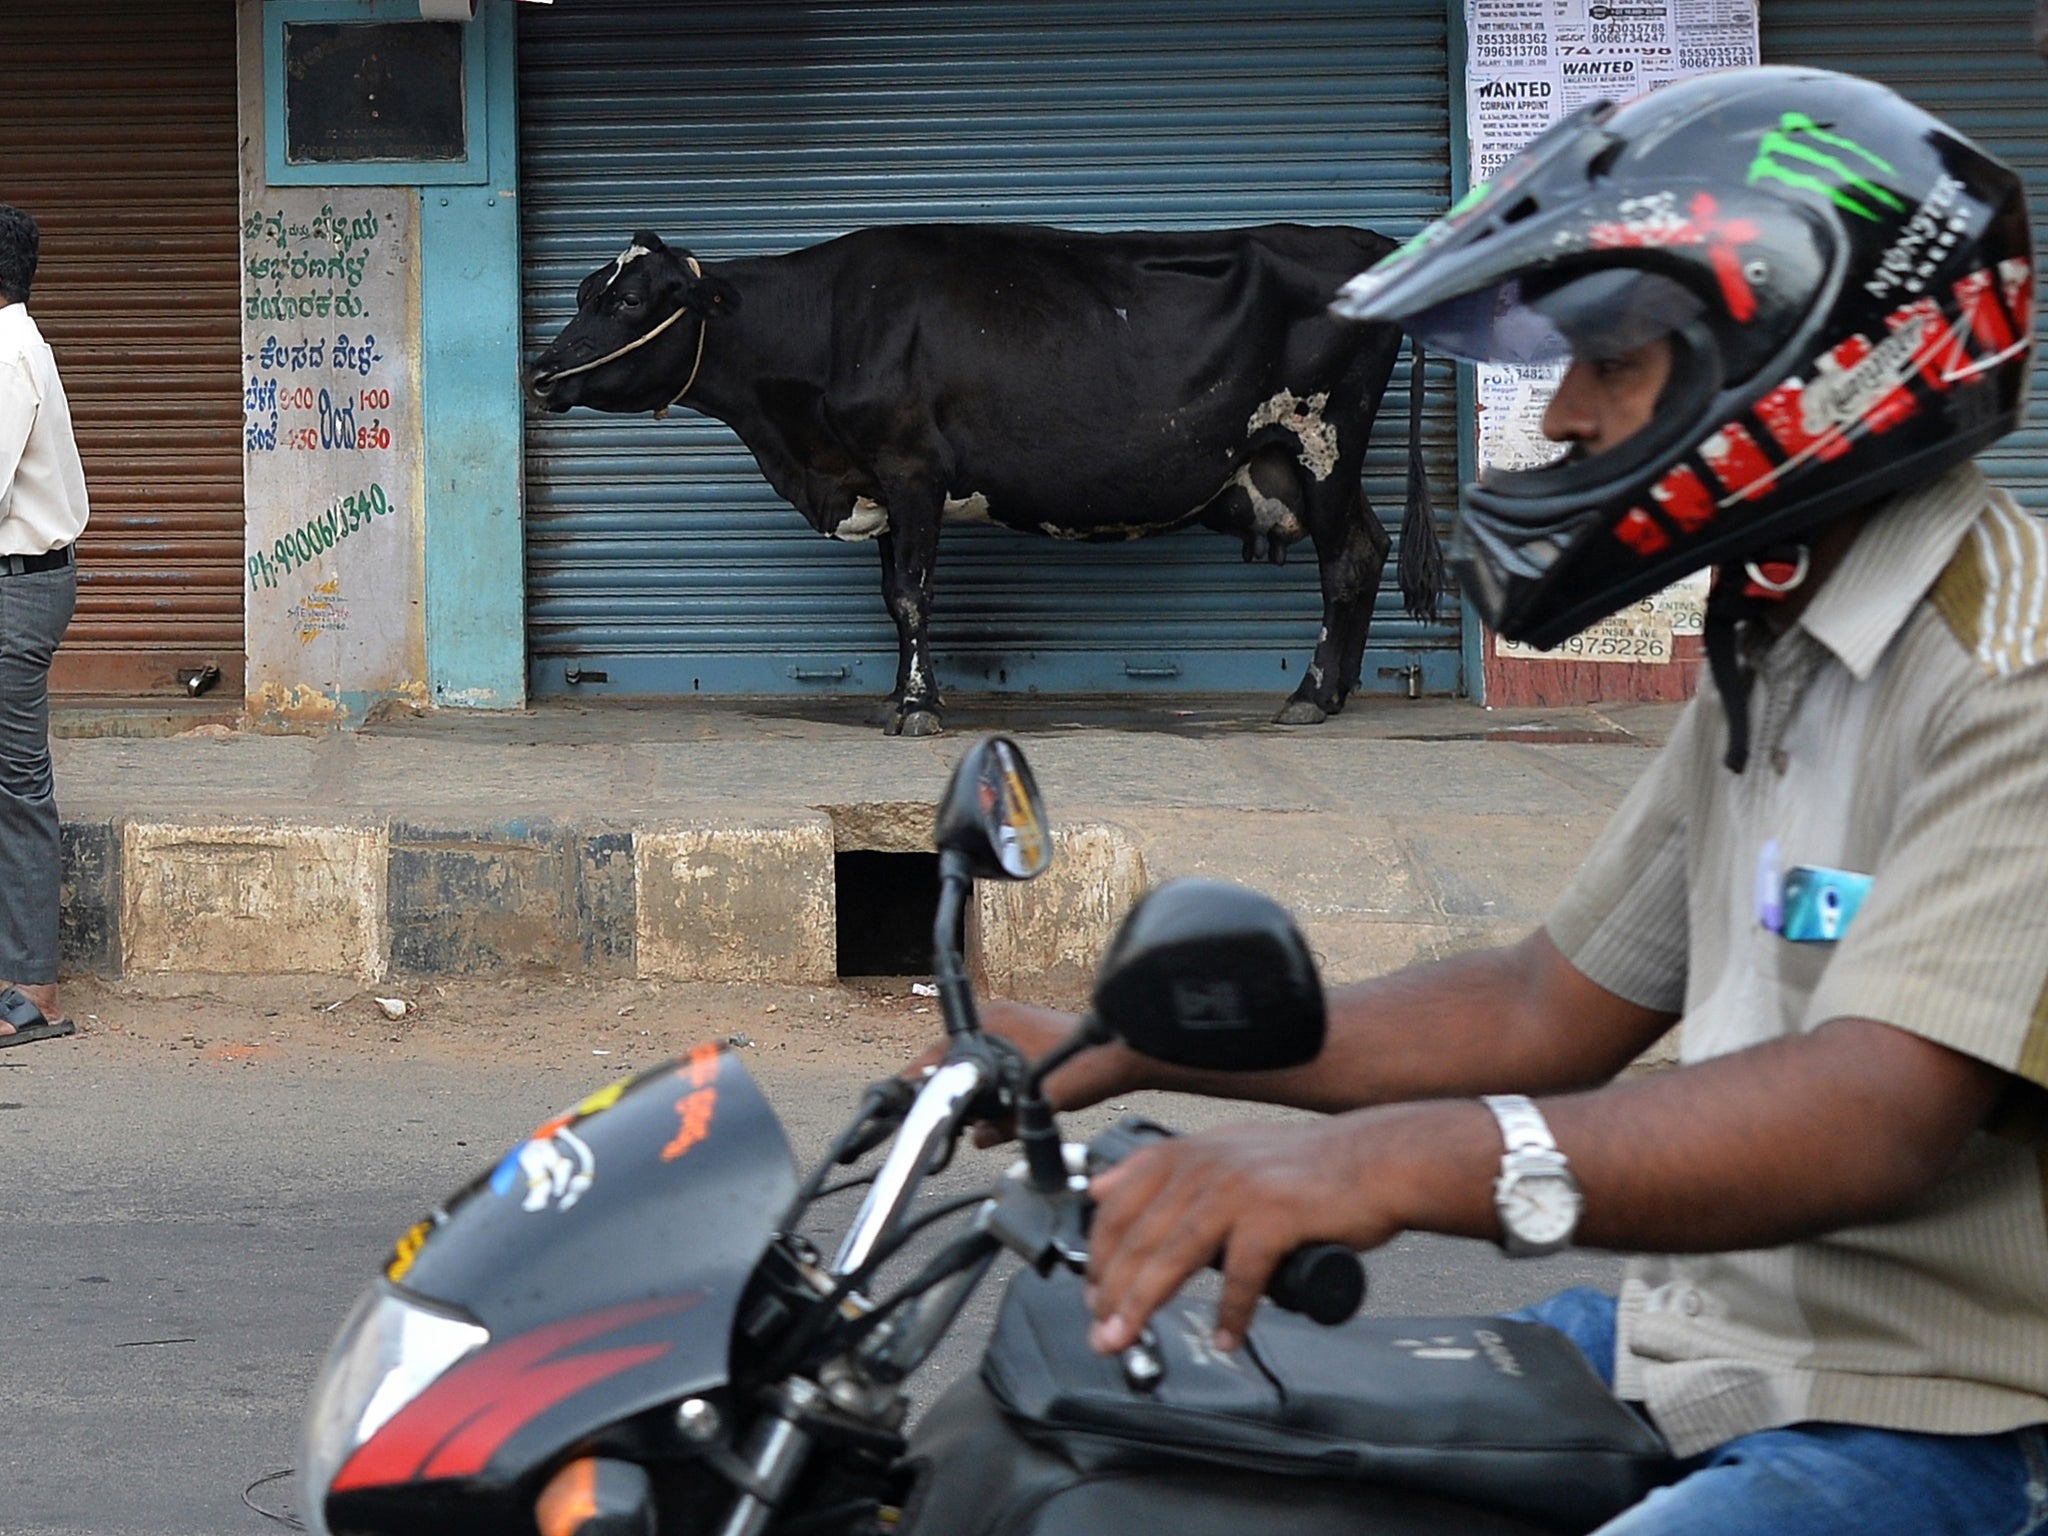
343, 518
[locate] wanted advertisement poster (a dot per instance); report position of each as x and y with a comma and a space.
1529, 63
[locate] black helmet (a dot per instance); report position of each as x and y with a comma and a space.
1847, 282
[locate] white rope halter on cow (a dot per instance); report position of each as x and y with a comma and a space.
638, 342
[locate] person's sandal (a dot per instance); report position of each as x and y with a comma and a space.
30, 1025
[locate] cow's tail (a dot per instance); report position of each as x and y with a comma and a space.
1422, 556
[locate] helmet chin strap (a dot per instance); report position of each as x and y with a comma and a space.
1743, 593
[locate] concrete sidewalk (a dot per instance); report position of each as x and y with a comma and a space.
701, 840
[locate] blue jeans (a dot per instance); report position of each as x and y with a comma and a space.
1824, 1479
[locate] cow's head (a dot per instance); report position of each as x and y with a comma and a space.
637, 337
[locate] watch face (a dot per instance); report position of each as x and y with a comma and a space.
1540, 1208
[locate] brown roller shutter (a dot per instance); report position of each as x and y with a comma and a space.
118, 132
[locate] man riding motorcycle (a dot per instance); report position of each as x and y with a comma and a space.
1794, 307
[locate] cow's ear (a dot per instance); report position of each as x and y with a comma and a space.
648, 240
713, 296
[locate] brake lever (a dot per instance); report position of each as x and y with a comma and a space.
893, 1097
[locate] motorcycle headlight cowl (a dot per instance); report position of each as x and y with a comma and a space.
389, 1351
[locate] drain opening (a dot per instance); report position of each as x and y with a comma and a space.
886, 903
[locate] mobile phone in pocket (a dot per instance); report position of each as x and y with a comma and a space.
1820, 903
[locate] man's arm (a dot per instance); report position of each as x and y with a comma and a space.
1762, 1147
1515, 1019
1521, 1018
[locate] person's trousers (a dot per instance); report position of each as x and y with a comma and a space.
1824, 1479
35, 610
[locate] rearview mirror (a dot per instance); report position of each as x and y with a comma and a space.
1204, 974
991, 816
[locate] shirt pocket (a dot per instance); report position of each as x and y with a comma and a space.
1792, 970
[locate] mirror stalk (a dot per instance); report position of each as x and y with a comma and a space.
1037, 1132
1039, 1137
956, 997
1088, 1032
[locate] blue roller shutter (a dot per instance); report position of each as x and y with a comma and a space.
657, 556
1972, 63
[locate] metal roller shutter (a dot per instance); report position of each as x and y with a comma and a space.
655, 552
1972, 63
118, 132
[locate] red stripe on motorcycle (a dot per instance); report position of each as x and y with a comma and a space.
454, 1427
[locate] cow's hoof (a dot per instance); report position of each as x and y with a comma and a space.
885, 713
1301, 712
917, 722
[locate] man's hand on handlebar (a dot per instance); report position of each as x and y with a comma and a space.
1091, 1077
1252, 1193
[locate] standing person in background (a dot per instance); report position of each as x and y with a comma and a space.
42, 511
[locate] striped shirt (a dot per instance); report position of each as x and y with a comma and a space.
1900, 730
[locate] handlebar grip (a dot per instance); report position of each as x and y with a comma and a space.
1128, 1135
1324, 1282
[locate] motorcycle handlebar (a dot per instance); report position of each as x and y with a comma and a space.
1324, 1282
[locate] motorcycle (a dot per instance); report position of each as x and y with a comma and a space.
620, 1329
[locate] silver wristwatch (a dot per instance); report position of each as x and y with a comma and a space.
1536, 1197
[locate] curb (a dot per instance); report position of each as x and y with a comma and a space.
703, 899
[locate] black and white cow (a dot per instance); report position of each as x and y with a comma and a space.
1094, 386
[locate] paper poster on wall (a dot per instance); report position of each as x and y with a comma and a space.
1511, 402
1531, 62
1643, 632
331, 448
1534, 61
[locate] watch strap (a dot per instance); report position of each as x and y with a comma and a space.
1522, 1125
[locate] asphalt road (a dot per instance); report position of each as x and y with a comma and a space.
198, 1187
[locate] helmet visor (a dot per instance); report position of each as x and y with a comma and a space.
1527, 323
